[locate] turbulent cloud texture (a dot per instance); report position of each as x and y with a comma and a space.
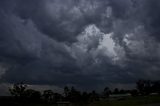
85, 43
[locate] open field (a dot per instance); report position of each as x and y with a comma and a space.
131, 101
157, 104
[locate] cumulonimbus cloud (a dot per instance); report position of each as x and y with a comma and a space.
55, 41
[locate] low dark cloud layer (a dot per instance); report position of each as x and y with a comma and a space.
85, 43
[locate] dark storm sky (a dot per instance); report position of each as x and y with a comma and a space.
85, 43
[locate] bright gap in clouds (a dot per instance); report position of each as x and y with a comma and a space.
3, 69
108, 44
92, 39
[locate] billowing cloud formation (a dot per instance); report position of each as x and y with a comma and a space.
85, 43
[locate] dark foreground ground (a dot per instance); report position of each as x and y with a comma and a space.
153, 104
129, 101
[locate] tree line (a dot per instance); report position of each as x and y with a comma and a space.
21, 93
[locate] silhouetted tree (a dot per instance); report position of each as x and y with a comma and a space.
18, 90
148, 87
94, 96
122, 91
48, 95
134, 92
74, 95
144, 87
140, 86
57, 97
66, 93
156, 87
85, 97
116, 91
32, 95
106, 92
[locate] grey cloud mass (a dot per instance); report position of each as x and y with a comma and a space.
85, 43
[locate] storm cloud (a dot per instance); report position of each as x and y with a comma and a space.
85, 43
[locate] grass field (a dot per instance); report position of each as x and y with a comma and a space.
131, 101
